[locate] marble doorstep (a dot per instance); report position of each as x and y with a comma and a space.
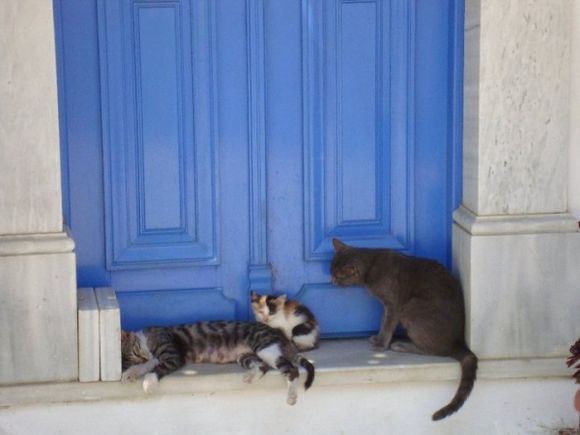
338, 362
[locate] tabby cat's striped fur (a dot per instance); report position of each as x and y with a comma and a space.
156, 352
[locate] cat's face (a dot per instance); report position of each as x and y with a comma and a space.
266, 306
132, 350
347, 268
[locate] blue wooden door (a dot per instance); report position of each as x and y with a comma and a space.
216, 147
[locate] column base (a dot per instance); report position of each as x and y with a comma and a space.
521, 280
38, 309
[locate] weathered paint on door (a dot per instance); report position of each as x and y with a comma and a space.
217, 146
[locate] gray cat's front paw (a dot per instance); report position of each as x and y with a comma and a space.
378, 343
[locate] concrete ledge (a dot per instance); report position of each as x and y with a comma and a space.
338, 363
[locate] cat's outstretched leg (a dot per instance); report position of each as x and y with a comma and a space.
272, 355
138, 370
150, 382
253, 363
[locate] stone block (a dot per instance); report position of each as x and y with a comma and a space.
522, 292
110, 334
89, 341
38, 318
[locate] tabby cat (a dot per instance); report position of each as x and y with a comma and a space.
421, 295
156, 352
291, 317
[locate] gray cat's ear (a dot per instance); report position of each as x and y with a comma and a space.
339, 246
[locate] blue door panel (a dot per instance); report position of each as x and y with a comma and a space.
350, 172
169, 307
357, 113
349, 306
159, 163
211, 148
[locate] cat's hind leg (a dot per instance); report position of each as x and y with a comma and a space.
405, 346
273, 356
253, 363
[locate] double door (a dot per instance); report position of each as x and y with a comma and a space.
214, 147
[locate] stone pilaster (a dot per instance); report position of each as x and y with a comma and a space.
516, 248
38, 326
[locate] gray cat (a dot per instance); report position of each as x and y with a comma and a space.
421, 295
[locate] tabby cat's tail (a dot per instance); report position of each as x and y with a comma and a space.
309, 370
468, 362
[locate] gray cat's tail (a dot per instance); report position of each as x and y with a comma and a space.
309, 370
468, 362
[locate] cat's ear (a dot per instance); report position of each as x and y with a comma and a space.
253, 296
339, 246
282, 298
125, 335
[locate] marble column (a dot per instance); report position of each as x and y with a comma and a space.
38, 320
516, 247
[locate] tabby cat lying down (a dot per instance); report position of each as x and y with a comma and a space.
156, 352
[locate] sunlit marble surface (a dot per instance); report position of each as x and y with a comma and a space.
517, 84
337, 362
38, 311
30, 194
522, 292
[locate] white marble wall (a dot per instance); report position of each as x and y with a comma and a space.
523, 292
38, 316
38, 334
517, 84
574, 157
30, 193
516, 247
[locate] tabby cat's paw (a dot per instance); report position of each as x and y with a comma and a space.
130, 375
378, 343
150, 382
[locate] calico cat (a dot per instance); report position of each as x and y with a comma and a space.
421, 295
156, 352
291, 317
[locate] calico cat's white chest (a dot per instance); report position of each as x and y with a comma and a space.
284, 322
